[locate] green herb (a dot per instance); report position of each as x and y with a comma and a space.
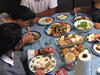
50, 57
37, 37
31, 66
53, 61
37, 57
83, 25
33, 61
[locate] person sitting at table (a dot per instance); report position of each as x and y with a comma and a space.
94, 12
21, 15
10, 59
41, 7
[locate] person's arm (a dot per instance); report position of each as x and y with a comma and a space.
26, 55
97, 25
46, 13
82, 9
51, 9
20, 45
5, 73
28, 37
97, 36
29, 54
33, 53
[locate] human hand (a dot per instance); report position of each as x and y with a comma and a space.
77, 10
47, 50
97, 36
97, 25
28, 37
40, 72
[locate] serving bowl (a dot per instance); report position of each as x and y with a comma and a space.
83, 25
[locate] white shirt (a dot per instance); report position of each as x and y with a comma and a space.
6, 59
38, 6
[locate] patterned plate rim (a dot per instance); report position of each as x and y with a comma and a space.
40, 56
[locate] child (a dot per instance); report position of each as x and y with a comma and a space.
11, 60
21, 15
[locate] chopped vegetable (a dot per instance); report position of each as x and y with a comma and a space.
84, 25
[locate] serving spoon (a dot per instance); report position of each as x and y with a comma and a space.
28, 29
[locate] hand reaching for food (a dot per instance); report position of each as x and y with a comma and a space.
47, 50
28, 37
97, 36
40, 72
93, 37
97, 25
77, 10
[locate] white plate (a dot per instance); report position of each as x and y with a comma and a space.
89, 25
58, 29
94, 48
81, 18
62, 17
42, 62
45, 20
96, 45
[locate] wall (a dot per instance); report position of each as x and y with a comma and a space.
8, 5
67, 5
82, 3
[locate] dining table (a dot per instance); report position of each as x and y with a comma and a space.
45, 38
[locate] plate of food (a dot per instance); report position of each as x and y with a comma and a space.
70, 40
58, 29
45, 20
84, 25
76, 49
91, 37
36, 34
96, 48
77, 18
42, 62
62, 17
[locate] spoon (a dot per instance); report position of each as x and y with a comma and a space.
28, 29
